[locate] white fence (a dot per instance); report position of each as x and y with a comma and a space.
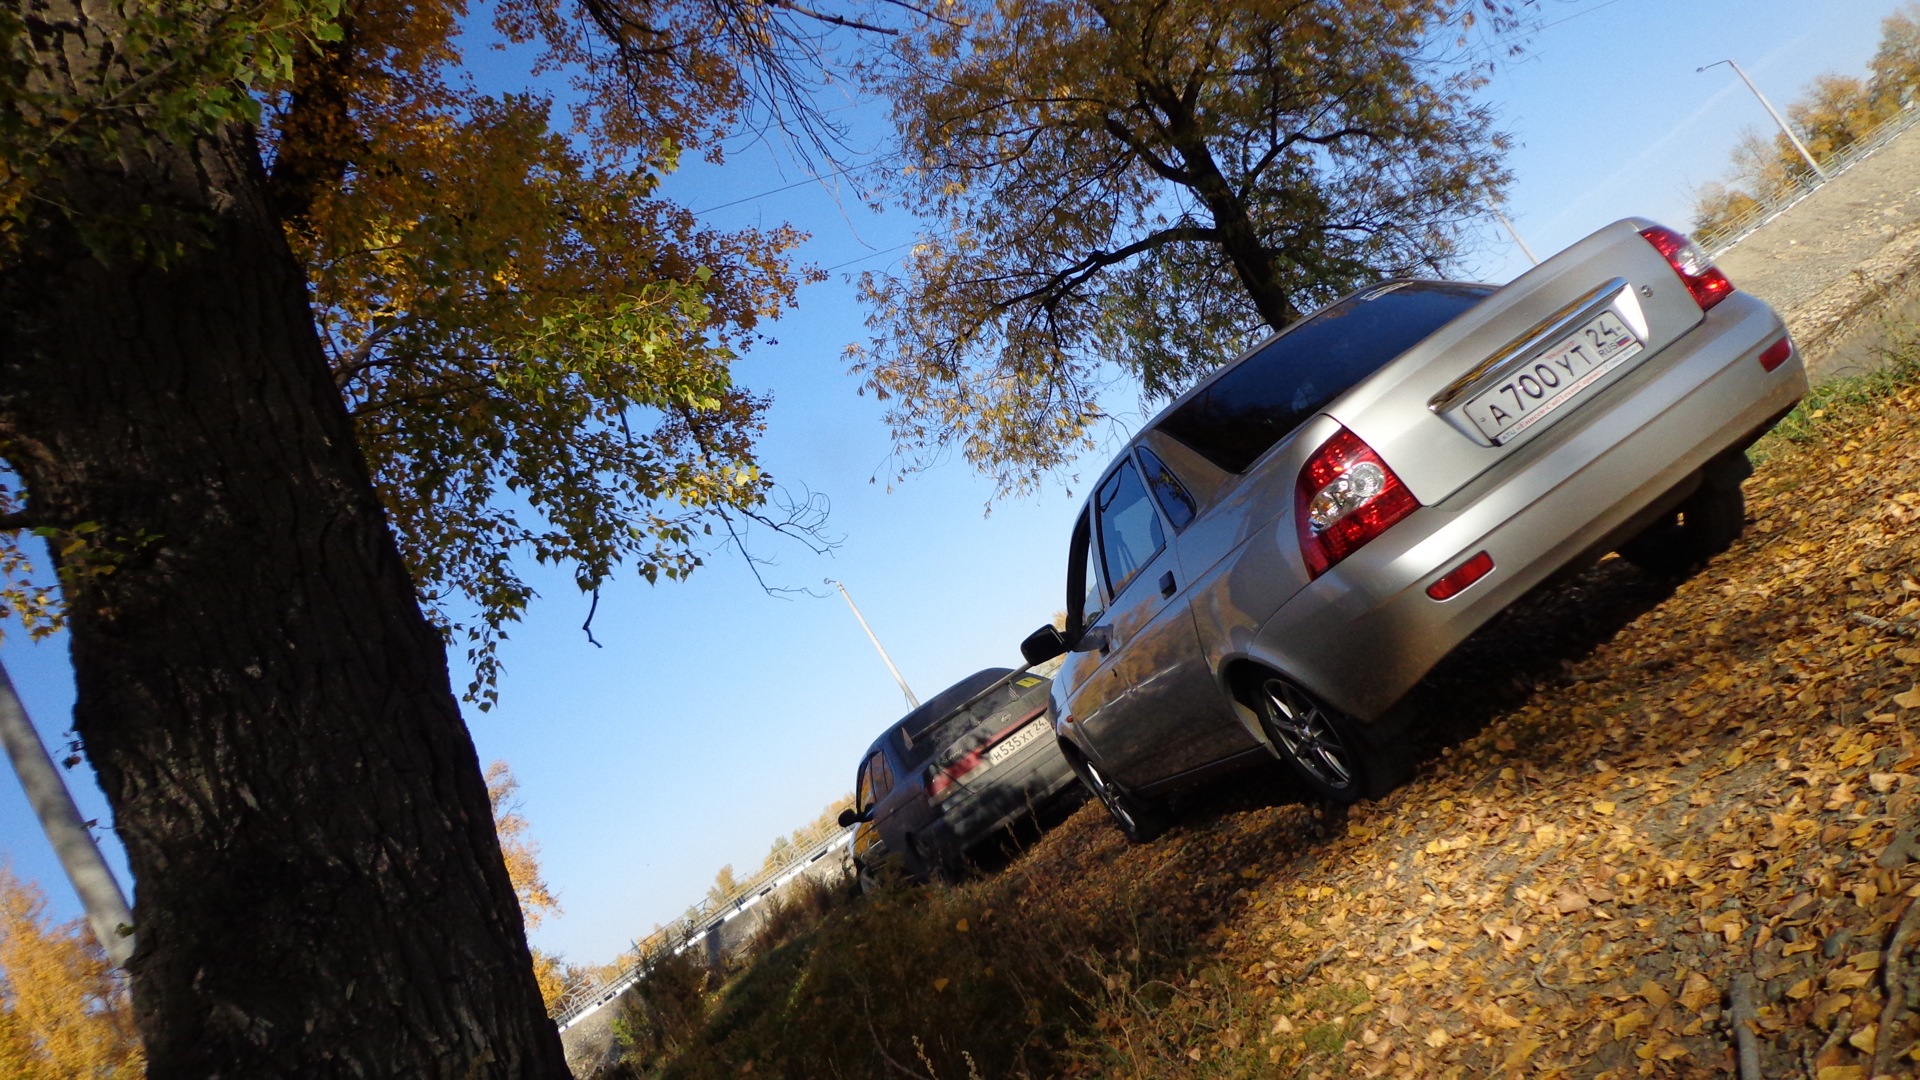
690, 929
1723, 238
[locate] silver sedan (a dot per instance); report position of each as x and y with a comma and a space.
1283, 552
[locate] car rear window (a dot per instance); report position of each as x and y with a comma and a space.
1252, 405
919, 734
942, 723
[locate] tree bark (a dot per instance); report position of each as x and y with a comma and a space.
318, 887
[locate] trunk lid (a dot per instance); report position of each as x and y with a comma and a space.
1483, 386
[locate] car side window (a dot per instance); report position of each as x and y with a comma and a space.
1130, 532
1091, 605
1167, 490
882, 776
1084, 603
863, 797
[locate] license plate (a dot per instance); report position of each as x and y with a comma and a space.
1016, 742
1525, 395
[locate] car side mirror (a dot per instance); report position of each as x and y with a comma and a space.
1094, 638
1043, 645
850, 817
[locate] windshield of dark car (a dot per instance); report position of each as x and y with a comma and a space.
1249, 407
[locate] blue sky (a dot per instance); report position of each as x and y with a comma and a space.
717, 717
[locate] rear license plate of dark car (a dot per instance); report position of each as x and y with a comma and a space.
1529, 393
1017, 741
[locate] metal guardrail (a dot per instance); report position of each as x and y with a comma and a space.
1724, 238
689, 930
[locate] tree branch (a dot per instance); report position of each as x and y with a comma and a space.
1063, 281
1160, 167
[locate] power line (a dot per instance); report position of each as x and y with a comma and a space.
872, 255
1577, 14
846, 171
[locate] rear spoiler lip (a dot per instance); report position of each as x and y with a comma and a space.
908, 736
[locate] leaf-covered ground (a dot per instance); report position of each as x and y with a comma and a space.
1649, 810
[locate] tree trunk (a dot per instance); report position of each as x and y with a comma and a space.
1239, 238
318, 886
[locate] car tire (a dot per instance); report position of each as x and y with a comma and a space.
925, 864
1334, 757
1704, 525
864, 883
1139, 819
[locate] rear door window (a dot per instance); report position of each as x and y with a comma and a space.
1254, 404
1167, 490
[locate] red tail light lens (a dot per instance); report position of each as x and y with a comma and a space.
940, 780
1776, 354
1703, 279
1344, 498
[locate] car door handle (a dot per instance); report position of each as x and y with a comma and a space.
1166, 584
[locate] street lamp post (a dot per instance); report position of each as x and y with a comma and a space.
1773, 112
100, 895
912, 702
1515, 233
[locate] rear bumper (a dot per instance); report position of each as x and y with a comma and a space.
1361, 635
1032, 780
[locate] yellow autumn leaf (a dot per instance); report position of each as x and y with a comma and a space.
940, 984
1865, 1039
1910, 699
1437, 1038
1496, 1017
1698, 993
1522, 1049
962, 926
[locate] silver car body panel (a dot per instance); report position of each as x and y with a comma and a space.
1363, 633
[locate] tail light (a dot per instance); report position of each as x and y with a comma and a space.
1703, 279
1344, 498
940, 780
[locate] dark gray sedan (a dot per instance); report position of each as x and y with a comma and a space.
1282, 553
952, 773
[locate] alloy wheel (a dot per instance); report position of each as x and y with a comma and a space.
1115, 805
1306, 734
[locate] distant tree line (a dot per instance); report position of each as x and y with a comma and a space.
1836, 113
781, 851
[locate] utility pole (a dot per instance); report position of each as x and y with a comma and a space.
1515, 233
1773, 112
912, 702
100, 894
